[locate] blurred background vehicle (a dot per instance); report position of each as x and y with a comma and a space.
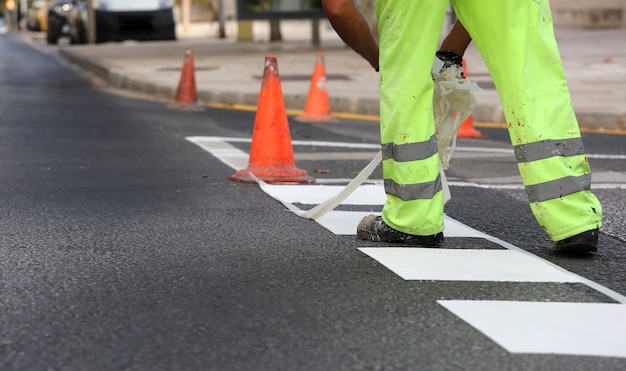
58, 25
119, 20
36, 17
3, 27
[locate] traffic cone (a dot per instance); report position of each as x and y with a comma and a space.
466, 130
317, 107
186, 98
271, 154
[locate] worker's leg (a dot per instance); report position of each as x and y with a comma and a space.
516, 40
409, 33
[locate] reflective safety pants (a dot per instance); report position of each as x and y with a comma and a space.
516, 40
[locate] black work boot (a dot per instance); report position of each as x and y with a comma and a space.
373, 228
586, 242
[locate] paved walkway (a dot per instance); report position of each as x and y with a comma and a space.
228, 71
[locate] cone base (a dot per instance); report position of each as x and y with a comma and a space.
315, 118
470, 133
291, 175
194, 107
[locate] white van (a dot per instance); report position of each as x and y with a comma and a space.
118, 20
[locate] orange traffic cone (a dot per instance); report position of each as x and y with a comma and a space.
271, 154
466, 130
186, 98
317, 107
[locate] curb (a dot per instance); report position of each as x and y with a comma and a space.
118, 79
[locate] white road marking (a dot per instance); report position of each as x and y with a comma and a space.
367, 194
519, 327
223, 151
345, 222
238, 159
589, 329
507, 151
467, 265
521, 186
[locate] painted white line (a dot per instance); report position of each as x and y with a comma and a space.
238, 159
503, 151
330, 204
341, 222
454, 228
228, 154
344, 223
596, 286
426, 264
510, 151
369, 194
521, 186
374, 147
345, 181
485, 186
608, 186
323, 156
584, 329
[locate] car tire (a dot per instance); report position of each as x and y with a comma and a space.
34, 27
78, 37
52, 38
82, 37
74, 32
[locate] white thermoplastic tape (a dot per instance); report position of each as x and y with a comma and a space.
583, 329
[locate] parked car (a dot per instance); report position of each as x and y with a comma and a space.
119, 20
36, 19
57, 20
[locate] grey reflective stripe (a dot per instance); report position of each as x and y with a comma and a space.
548, 148
558, 188
410, 151
418, 191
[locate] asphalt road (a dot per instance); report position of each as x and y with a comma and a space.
124, 247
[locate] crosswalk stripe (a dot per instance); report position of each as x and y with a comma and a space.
509, 324
547, 328
345, 222
425, 264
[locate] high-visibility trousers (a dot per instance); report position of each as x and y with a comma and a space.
516, 40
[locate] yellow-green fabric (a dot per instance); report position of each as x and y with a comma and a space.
409, 33
516, 40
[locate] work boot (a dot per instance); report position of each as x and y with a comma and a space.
373, 228
586, 242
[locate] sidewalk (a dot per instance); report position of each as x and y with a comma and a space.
229, 72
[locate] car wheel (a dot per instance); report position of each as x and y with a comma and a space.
82, 37
73, 34
52, 38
